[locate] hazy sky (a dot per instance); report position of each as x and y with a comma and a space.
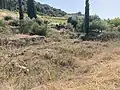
103, 8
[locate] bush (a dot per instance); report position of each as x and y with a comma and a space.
94, 17
39, 21
2, 23
98, 25
25, 26
118, 28
32, 27
115, 22
36, 29
7, 18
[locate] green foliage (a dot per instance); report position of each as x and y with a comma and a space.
2, 23
95, 24
80, 25
115, 22
31, 27
39, 21
25, 25
8, 18
118, 28
94, 17
98, 25
42, 9
36, 29
73, 21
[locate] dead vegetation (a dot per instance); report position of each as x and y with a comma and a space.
57, 63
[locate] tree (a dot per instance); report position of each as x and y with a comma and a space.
1, 4
21, 15
31, 10
87, 17
115, 22
98, 25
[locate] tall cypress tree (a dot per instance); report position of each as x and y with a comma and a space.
1, 4
87, 17
31, 10
21, 15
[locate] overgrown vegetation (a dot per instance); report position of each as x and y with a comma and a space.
97, 26
42, 9
33, 27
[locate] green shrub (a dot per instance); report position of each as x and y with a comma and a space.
7, 18
36, 29
32, 27
39, 21
94, 17
118, 28
115, 22
2, 23
98, 25
25, 26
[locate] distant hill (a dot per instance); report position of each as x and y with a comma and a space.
42, 9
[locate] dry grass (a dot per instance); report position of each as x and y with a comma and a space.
52, 20
58, 63
61, 65
4, 13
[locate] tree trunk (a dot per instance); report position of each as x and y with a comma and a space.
21, 15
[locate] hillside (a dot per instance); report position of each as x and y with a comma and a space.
50, 19
56, 62
42, 9
53, 51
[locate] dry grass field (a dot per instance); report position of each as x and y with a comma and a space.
56, 62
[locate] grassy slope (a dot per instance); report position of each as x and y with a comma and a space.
52, 20
60, 64
57, 63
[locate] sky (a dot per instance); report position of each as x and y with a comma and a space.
103, 8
